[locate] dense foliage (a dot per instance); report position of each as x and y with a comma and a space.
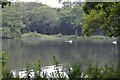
103, 16
74, 18
3, 3
19, 18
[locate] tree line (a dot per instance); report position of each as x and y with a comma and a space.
74, 18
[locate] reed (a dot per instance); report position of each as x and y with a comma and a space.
75, 72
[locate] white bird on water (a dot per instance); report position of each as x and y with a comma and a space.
114, 42
70, 41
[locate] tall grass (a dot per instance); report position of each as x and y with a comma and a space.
0, 70
76, 72
6, 72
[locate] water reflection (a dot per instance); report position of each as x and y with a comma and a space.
85, 52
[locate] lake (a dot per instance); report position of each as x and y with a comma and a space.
85, 52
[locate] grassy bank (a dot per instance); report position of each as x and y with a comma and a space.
37, 36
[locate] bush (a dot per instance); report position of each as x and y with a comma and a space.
75, 72
6, 73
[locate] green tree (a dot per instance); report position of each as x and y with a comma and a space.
4, 3
77, 14
102, 15
71, 14
92, 22
43, 18
12, 20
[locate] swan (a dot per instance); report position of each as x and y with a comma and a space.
70, 41
114, 42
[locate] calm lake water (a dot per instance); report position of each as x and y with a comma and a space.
85, 52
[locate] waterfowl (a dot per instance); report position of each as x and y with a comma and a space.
114, 42
70, 41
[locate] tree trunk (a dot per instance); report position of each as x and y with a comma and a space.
44, 29
76, 33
